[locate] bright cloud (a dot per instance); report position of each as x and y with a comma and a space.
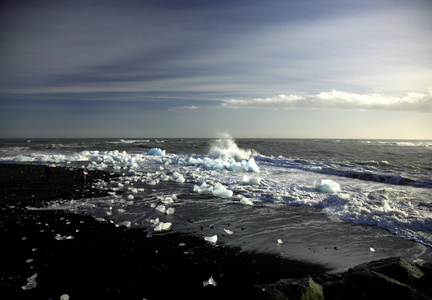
339, 100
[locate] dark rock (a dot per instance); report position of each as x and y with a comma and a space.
368, 284
294, 289
391, 278
424, 285
397, 268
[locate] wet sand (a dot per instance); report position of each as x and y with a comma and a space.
79, 256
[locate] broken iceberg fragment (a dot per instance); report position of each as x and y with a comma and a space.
31, 283
211, 281
328, 186
156, 152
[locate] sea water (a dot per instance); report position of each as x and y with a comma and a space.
335, 202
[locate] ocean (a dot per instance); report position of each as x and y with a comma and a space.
334, 202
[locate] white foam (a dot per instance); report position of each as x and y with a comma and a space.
226, 147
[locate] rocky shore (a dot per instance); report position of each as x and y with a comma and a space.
392, 278
47, 254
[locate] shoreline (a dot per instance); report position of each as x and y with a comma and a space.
105, 261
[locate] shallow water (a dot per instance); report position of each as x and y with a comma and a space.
381, 207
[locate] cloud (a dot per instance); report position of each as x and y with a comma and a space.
417, 102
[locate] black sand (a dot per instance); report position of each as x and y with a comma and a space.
103, 261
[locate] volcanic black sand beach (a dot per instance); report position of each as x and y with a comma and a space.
86, 259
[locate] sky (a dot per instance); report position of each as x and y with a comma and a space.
192, 68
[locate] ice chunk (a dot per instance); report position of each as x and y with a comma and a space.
220, 191
280, 242
211, 239
154, 221
228, 231
249, 181
60, 237
170, 211
31, 282
161, 208
163, 226
246, 201
130, 197
328, 186
180, 179
156, 152
64, 297
203, 188
252, 166
125, 224
167, 200
210, 282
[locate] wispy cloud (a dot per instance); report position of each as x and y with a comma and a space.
418, 102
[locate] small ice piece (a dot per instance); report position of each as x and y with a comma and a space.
372, 249
31, 283
29, 260
246, 201
154, 221
170, 211
130, 197
167, 200
156, 152
180, 179
328, 186
220, 191
228, 231
280, 242
203, 188
125, 223
161, 208
163, 226
64, 297
211, 239
249, 181
60, 237
210, 282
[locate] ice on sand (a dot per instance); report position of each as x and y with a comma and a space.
328, 186
60, 237
211, 239
217, 190
163, 226
31, 283
228, 231
161, 208
249, 181
246, 201
211, 281
220, 191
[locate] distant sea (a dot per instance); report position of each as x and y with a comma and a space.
336, 202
